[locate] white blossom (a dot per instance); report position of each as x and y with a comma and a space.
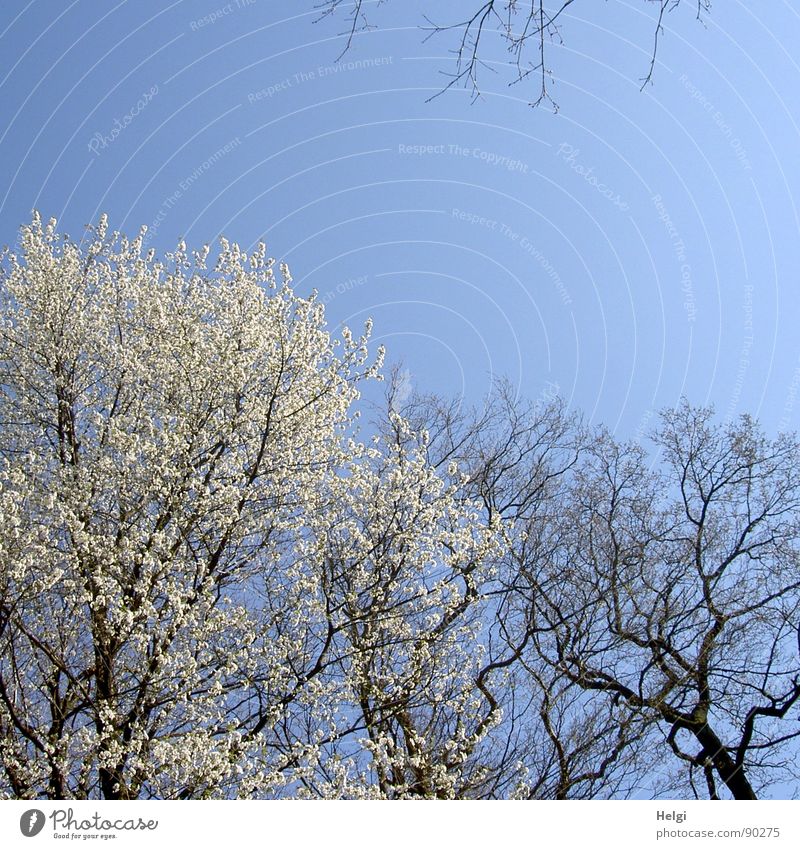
209, 585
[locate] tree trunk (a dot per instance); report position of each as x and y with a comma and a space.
733, 775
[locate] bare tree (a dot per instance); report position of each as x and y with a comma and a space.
675, 597
526, 27
516, 459
652, 614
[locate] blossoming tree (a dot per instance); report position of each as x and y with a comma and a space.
208, 585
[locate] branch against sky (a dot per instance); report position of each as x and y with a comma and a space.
527, 27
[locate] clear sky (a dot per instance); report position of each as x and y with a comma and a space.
634, 247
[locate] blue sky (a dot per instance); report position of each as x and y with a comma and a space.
632, 248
